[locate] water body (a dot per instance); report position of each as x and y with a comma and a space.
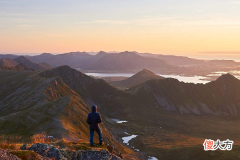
128, 138
118, 121
235, 73
110, 74
152, 158
217, 73
192, 79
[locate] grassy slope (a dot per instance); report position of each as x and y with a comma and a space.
32, 104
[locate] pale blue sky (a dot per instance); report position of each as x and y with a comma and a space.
133, 19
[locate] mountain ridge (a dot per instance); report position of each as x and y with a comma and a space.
35, 104
211, 98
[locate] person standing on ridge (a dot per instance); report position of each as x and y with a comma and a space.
93, 120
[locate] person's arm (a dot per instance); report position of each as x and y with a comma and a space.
99, 119
88, 119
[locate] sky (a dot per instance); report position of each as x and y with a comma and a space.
179, 27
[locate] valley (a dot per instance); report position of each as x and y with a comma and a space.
144, 114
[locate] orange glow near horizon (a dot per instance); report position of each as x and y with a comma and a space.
152, 26
178, 42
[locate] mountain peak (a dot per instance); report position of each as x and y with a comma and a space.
139, 78
145, 71
46, 54
226, 77
101, 53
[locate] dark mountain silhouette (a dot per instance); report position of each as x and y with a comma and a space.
129, 61
124, 61
73, 59
186, 61
175, 60
136, 79
223, 62
28, 63
3, 56
181, 60
95, 58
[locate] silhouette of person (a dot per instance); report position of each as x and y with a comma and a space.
93, 120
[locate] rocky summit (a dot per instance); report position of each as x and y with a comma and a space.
49, 151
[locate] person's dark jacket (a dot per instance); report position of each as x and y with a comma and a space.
94, 118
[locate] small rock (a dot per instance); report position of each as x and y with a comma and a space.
24, 147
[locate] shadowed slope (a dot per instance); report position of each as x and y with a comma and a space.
220, 97
30, 64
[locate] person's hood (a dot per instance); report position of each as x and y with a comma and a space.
94, 109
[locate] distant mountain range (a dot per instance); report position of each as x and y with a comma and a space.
132, 62
22, 63
186, 61
136, 79
175, 60
113, 62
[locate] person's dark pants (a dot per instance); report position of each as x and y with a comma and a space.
92, 134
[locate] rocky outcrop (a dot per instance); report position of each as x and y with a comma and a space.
89, 155
46, 150
49, 151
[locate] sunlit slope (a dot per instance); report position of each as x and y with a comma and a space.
32, 104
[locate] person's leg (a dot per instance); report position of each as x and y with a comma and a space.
99, 135
91, 137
